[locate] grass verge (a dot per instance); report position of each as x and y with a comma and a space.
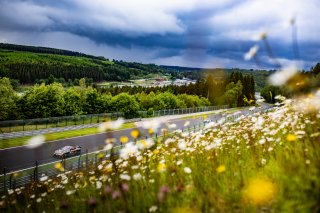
13, 142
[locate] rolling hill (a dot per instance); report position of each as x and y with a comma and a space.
28, 64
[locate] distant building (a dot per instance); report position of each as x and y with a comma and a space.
160, 79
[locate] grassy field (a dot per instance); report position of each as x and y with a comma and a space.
7, 143
262, 163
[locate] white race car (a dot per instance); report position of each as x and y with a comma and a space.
67, 151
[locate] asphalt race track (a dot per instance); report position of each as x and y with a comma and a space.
22, 157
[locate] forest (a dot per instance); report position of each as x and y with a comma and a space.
54, 100
213, 86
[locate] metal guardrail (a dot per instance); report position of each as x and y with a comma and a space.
33, 174
54, 122
28, 127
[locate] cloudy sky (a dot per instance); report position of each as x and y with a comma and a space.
197, 33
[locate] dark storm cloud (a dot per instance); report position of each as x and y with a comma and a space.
189, 30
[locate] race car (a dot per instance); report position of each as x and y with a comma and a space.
67, 151
206, 121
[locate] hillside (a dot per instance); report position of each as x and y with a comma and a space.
29, 64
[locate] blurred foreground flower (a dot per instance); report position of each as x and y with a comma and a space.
291, 137
35, 141
151, 131
70, 192
186, 209
251, 53
145, 144
161, 167
187, 170
150, 123
187, 123
221, 169
153, 209
259, 191
124, 139
281, 77
309, 103
128, 150
164, 190
43, 178
111, 125
59, 166
135, 134
125, 177
263, 36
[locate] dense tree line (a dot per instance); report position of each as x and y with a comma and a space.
28, 73
54, 100
260, 76
213, 88
199, 89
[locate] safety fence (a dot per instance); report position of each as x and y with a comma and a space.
19, 128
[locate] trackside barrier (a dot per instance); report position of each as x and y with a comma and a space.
29, 127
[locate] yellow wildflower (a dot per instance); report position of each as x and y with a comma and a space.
155, 151
101, 155
186, 209
59, 166
124, 139
291, 137
151, 131
259, 191
92, 179
108, 169
135, 134
221, 169
161, 167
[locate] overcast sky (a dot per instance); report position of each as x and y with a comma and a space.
197, 33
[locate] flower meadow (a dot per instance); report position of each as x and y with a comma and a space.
264, 162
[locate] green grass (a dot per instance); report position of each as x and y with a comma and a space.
212, 113
7, 57
13, 142
262, 163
